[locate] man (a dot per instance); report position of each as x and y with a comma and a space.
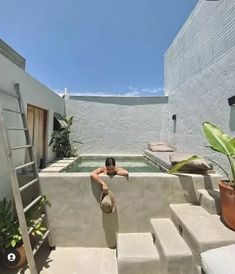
109, 169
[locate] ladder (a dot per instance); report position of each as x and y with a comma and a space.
16, 189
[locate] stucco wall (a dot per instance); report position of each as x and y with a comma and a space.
200, 77
116, 124
33, 92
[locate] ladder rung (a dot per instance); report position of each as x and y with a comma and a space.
25, 165
9, 94
19, 147
32, 203
11, 110
42, 217
15, 128
38, 245
29, 184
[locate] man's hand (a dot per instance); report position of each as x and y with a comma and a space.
105, 188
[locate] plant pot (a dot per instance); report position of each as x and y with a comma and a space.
13, 257
227, 197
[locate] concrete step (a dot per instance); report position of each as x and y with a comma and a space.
175, 256
191, 183
137, 254
210, 200
201, 230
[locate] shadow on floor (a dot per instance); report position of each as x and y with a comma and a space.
42, 261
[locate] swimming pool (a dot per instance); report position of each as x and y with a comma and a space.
131, 163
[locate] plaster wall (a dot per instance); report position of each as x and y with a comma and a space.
116, 124
200, 77
33, 92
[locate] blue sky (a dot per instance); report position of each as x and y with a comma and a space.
95, 47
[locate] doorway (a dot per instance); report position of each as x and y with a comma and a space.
37, 124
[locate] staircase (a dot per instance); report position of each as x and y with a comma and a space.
175, 245
180, 239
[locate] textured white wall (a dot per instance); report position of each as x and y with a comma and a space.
33, 92
115, 124
200, 77
206, 36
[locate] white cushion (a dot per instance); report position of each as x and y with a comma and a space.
219, 260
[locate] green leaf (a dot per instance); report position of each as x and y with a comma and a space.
13, 243
39, 233
218, 140
178, 166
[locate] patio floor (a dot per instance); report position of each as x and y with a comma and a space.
77, 260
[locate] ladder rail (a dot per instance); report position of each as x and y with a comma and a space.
16, 189
31, 151
16, 195
25, 125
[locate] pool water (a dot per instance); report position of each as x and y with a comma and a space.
132, 165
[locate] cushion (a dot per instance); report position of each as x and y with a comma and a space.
219, 260
195, 165
159, 146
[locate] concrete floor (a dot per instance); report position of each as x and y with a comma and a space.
77, 260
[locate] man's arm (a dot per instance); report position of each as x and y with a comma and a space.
122, 172
95, 177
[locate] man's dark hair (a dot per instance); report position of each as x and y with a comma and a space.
110, 161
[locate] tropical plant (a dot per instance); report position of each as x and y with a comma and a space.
182, 163
10, 234
221, 143
60, 140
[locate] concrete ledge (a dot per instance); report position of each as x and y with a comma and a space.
210, 200
191, 183
175, 256
200, 230
58, 166
137, 254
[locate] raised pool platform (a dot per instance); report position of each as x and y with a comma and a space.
76, 218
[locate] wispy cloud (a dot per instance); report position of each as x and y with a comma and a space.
149, 91
132, 91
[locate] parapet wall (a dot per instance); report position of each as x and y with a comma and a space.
116, 124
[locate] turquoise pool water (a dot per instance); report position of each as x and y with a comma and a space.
132, 165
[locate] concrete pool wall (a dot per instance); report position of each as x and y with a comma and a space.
76, 219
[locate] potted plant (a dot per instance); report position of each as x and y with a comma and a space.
12, 253
224, 144
60, 140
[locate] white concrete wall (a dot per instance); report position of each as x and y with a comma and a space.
200, 77
33, 92
116, 124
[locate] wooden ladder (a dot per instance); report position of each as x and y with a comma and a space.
16, 189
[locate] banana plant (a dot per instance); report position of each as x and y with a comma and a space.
221, 143
182, 163
60, 140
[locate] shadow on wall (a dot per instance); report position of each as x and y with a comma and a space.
109, 221
130, 101
190, 186
232, 118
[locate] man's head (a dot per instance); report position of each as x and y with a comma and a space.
110, 165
